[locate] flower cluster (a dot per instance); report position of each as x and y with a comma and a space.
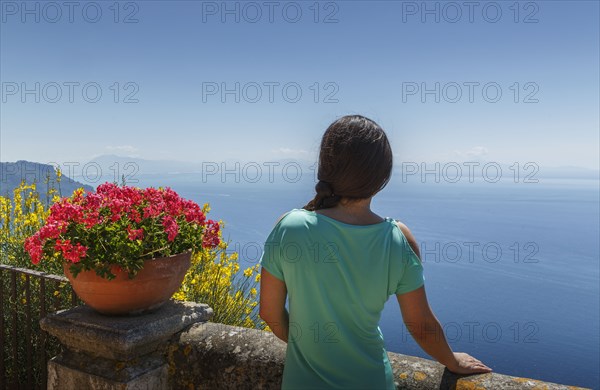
215, 278
121, 225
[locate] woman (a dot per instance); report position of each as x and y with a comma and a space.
339, 262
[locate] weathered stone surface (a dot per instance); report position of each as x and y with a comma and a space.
211, 355
111, 370
102, 352
416, 373
122, 338
217, 356
64, 377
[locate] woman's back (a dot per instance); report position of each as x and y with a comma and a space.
339, 262
338, 278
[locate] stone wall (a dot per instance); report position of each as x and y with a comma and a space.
177, 348
211, 356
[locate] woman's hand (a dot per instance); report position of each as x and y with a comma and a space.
429, 334
467, 364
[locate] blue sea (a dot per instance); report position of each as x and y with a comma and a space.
511, 269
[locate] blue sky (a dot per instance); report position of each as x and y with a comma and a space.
177, 56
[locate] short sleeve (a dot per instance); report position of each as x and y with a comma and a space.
412, 277
271, 257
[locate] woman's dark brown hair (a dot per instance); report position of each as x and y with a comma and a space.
355, 162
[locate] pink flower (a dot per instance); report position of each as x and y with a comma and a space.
135, 216
171, 227
91, 219
211, 234
65, 211
151, 211
193, 212
52, 229
70, 252
135, 234
34, 246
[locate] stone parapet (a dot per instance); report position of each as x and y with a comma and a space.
211, 355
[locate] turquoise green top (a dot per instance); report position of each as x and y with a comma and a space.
338, 278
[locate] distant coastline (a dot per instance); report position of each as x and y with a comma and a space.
114, 168
43, 175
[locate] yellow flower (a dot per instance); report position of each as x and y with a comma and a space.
179, 296
257, 279
253, 291
248, 272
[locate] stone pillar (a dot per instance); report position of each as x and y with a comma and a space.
104, 352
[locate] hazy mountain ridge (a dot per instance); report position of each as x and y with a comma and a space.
44, 175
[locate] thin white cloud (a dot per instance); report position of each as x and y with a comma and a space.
476, 153
129, 150
291, 152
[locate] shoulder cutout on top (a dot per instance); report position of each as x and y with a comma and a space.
410, 238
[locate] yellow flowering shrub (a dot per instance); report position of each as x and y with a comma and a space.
21, 215
214, 279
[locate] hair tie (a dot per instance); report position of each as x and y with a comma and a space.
323, 188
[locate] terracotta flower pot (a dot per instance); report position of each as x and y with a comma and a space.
148, 290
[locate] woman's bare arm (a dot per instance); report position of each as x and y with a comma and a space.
272, 304
427, 330
428, 333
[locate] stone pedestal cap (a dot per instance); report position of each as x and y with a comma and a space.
81, 329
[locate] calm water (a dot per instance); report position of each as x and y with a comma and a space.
512, 270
